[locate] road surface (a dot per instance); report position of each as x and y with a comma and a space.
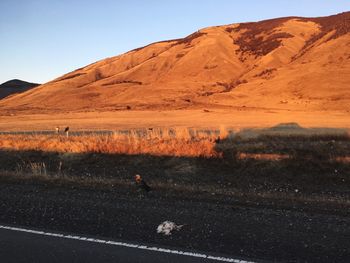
27, 245
277, 232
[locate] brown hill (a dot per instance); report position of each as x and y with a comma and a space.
15, 86
286, 63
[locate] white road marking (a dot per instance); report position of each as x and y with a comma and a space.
123, 244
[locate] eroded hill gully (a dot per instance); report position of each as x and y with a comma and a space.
114, 82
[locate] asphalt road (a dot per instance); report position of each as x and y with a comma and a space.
17, 246
214, 224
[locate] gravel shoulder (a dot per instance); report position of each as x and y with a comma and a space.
213, 223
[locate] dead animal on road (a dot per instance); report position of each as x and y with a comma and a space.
141, 184
166, 227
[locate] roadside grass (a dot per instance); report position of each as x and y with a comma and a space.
254, 197
302, 167
296, 147
62, 180
257, 181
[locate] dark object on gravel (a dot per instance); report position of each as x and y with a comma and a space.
141, 184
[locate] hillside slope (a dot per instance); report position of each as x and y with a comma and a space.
288, 63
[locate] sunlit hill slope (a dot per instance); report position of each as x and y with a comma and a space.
286, 63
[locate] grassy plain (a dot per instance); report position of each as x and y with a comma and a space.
234, 118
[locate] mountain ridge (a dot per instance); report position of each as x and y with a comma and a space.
15, 86
289, 63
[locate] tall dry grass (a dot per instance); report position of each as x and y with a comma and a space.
183, 142
162, 141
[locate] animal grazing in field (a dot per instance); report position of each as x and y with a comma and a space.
141, 184
57, 129
66, 130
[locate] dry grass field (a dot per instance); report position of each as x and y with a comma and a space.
232, 118
274, 163
168, 142
278, 142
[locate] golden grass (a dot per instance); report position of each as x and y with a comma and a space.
171, 142
181, 142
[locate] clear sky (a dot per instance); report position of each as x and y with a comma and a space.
43, 39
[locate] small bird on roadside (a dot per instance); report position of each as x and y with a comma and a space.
142, 185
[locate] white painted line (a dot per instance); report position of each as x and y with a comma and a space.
123, 244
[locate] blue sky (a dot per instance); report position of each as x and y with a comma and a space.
43, 39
